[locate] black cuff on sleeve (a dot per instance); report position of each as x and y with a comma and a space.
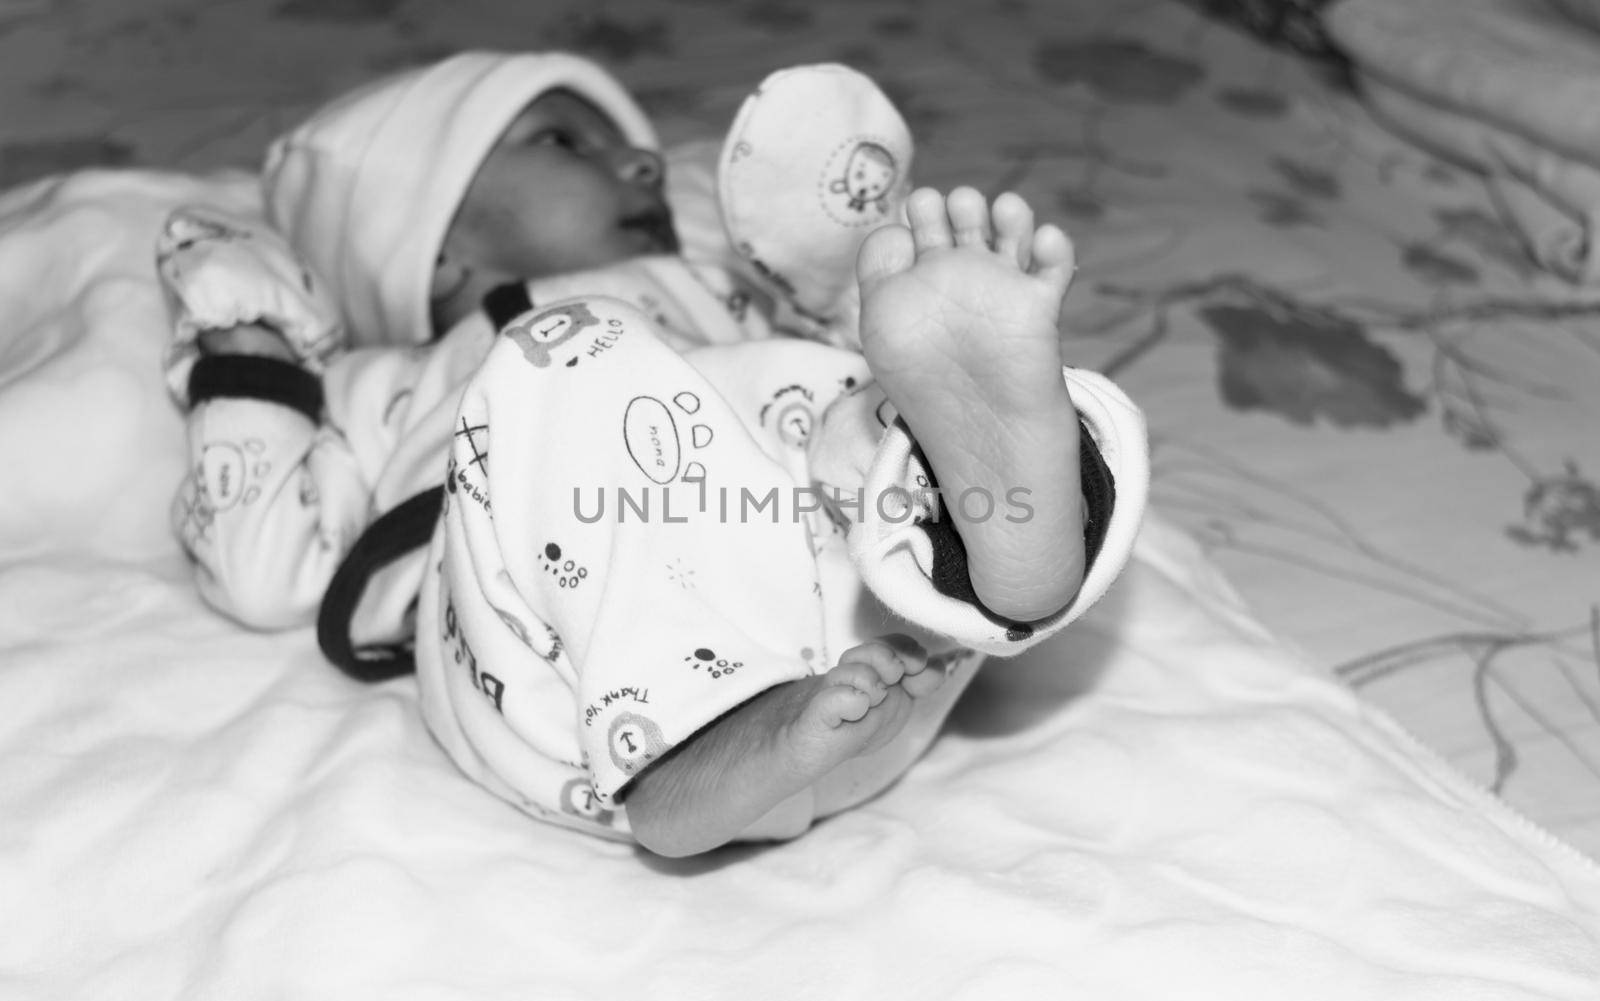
949, 572
505, 303
402, 530
256, 378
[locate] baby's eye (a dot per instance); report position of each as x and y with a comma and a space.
563, 138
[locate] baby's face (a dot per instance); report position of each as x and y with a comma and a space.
561, 191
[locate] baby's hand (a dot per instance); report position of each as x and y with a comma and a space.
236, 287
223, 272
246, 339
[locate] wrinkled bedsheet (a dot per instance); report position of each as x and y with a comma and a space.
1506, 87
1370, 410
1164, 804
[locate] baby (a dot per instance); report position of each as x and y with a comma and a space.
667, 681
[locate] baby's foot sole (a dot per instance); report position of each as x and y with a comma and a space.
959, 325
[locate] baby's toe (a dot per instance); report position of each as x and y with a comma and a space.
887, 251
1053, 258
890, 657
861, 676
969, 217
930, 223
835, 705
924, 681
1013, 228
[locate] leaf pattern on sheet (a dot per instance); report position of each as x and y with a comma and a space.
1305, 365
1253, 102
1437, 267
1378, 288
608, 38
1480, 233
1308, 180
1079, 205
1301, 361
777, 15
1320, 364
337, 11
1558, 509
894, 25
1308, 184
1119, 69
1285, 210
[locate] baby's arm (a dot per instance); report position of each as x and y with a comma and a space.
272, 499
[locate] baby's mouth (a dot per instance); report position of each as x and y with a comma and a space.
657, 227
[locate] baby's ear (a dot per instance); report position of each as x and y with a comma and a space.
449, 276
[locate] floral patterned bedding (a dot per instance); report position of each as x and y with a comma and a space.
1367, 404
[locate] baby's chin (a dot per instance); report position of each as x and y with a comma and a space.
650, 234
616, 246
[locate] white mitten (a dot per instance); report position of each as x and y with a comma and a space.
817, 158
220, 271
691, 189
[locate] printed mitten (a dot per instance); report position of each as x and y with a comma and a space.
691, 190
817, 158
899, 551
220, 271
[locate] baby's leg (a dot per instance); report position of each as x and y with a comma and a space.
958, 323
774, 747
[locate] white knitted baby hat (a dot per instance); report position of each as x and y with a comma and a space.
366, 188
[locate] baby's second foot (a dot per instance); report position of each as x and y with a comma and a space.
774, 747
958, 324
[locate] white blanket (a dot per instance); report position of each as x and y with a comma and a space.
1164, 804
1509, 87
91, 453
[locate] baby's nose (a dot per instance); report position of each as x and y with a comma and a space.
642, 167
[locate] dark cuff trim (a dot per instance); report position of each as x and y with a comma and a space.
949, 572
505, 303
256, 378
401, 530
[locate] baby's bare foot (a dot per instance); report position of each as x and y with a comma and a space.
751, 762
958, 323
